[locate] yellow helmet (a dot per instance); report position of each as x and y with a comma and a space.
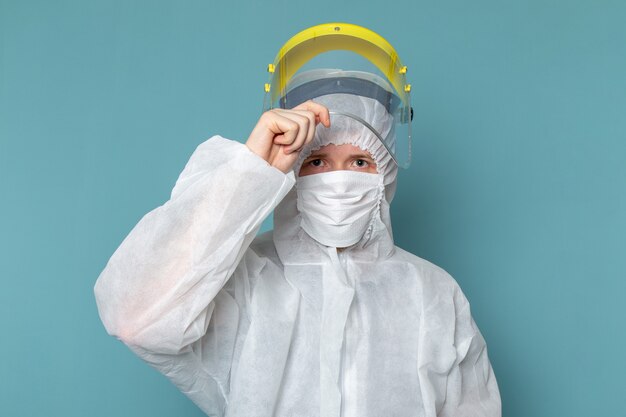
344, 58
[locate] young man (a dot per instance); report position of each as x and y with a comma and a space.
324, 316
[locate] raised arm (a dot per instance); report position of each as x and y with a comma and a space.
156, 290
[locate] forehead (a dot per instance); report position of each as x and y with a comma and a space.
340, 150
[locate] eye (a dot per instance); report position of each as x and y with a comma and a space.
361, 163
316, 162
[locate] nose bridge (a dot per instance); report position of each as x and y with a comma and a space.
339, 162
341, 165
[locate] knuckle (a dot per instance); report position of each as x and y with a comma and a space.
268, 115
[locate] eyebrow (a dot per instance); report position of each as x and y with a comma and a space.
355, 155
361, 156
317, 155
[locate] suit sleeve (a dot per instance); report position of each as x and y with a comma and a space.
456, 377
156, 292
471, 388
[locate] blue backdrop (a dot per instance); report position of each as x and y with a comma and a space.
518, 186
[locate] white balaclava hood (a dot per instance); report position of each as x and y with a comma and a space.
289, 237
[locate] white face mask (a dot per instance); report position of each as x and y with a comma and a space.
338, 206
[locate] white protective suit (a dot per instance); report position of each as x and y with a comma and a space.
279, 325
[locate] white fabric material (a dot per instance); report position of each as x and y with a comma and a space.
338, 207
279, 325
346, 130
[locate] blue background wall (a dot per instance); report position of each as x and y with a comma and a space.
518, 186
